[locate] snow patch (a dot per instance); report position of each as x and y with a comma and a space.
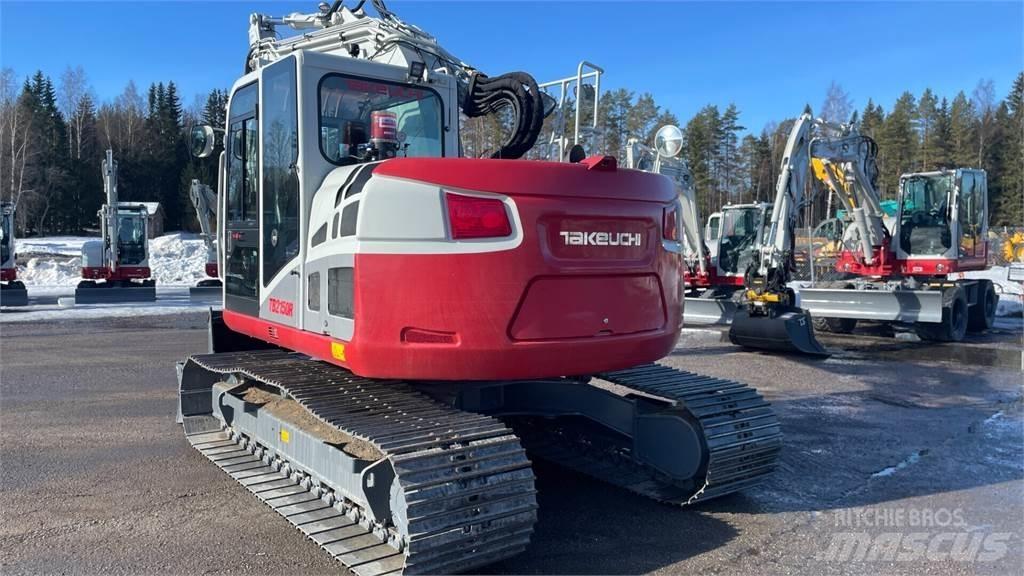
908, 461
1011, 294
177, 259
51, 245
44, 271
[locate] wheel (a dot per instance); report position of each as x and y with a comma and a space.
87, 284
954, 319
834, 325
982, 315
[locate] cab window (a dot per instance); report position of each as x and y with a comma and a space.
365, 120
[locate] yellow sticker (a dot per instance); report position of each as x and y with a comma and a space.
338, 351
284, 435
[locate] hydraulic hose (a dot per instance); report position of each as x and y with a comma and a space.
517, 90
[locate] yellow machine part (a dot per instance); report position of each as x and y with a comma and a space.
1013, 247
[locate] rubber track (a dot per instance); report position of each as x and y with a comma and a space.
468, 486
740, 430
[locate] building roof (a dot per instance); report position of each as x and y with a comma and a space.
151, 207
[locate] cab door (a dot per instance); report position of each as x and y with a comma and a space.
240, 236
280, 242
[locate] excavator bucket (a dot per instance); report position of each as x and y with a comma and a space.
782, 330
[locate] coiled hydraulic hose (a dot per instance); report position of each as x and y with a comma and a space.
517, 90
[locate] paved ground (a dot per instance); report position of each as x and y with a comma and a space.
911, 455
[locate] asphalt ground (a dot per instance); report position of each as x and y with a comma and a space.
900, 458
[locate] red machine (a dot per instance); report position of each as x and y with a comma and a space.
439, 313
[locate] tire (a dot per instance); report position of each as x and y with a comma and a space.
834, 325
954, 319
982, 315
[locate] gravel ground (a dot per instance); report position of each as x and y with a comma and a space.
905, 451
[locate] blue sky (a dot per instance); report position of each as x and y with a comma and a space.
770, 58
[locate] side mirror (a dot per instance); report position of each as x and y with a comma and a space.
549, 103
668, 141
201, 141
586, 94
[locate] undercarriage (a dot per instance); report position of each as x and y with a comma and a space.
393, 477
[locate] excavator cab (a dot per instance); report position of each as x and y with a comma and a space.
12, 291
742, 229
6, 244
131, 236
942, 222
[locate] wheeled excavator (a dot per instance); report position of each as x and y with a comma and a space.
204, 200
897, 270
400, 325
12, 290
115, 268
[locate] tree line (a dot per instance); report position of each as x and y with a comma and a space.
54, 135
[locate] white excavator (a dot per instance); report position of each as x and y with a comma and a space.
12, 290
402, 324
115, 268
204, 200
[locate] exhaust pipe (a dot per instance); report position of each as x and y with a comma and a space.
782, 329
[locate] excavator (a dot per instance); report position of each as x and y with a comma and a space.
402, 326
12, 290
897, 269
769, 317
204, 200
897, 276
115, 268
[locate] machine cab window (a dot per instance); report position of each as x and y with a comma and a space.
925, 214
131, 238
740, 228
5, 238
364, 120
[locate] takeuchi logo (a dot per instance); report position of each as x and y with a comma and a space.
581, 238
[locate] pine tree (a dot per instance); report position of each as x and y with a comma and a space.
728, 149
961, 131
927, 110
899, 142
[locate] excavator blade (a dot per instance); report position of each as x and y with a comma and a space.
784, 330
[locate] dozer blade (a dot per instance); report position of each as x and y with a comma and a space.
707, 311
114, 295
13, 297
204, 293
787, 330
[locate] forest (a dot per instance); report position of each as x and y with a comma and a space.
53, 134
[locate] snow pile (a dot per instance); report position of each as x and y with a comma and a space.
1011, 294
178, 259
51, 272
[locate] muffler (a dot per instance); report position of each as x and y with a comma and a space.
781, 329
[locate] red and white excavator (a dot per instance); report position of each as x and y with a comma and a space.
115, 268
898, 270
898, 275
12, 290
400, 323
